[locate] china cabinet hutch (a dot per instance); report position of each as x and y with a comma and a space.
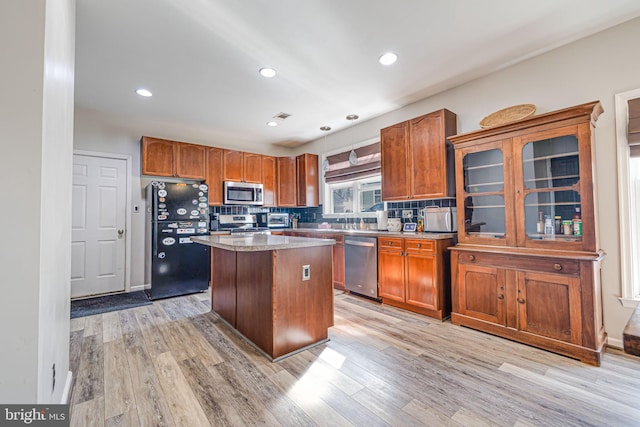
527, 263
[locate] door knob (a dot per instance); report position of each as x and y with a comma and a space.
120, 233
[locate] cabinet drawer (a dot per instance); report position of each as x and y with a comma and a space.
390, 243
523, 263
421, 246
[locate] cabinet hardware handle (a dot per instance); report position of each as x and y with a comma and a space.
557, 267
419, 245
521, 301
471, 257
500, 296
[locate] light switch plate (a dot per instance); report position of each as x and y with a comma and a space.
407, 213
306, 272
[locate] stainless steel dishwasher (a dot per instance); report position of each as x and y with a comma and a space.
361, 265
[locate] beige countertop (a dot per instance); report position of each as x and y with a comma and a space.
259, 242
374, 233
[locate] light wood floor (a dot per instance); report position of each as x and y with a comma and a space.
174, 363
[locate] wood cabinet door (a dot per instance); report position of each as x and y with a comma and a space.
213, 176
394, 159
252, 167
190, 161
232, 167
391, 273
553, 176
287, 189
307, 179
422, 281
430, 160
269, 180
549, 305
481, 293
158, 156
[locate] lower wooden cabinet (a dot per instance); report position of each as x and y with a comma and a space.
552, 303
414, 274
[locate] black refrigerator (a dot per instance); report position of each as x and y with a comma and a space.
174, 264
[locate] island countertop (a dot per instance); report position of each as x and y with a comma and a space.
259, 242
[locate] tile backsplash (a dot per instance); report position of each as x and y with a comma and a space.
314, 214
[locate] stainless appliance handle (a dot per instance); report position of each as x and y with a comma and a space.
356, 243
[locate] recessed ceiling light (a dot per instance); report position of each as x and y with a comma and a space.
388, 58
272, 124
267, 72
144, 92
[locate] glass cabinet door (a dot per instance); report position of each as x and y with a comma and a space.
550, 189
484, 198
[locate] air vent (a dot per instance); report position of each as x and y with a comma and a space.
282, 116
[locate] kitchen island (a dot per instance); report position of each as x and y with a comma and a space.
276, 291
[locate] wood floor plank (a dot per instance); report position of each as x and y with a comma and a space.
89, 384
128, 419
154, 340
593, 404
111, 330
199, 346
184, 405
93, 325
89, 413
211, 392
151, 403
305, 394
118, 391
430, 416
76, 324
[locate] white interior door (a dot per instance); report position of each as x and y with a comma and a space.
98, 246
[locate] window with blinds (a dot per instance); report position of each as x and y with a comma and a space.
354, 190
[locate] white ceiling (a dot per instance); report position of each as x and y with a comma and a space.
200, 58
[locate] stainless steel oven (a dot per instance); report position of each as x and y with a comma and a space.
243, 193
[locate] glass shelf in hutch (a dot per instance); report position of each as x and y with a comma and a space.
551, 177
484, 205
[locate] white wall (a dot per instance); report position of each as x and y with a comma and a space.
36, 123
594, 68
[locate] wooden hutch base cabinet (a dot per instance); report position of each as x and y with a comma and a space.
527, 263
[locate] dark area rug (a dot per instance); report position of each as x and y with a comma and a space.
104, 304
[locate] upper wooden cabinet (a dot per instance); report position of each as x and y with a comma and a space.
161, 157
214, 176
241, 166
307, 177
269, 180
298, 180
417, 159
287, 186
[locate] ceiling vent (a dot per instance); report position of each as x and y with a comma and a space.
282, 116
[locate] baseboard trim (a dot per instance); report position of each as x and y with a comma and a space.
66, 393
139, 288
615, 343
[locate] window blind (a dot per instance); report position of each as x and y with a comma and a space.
341, 170
633, 127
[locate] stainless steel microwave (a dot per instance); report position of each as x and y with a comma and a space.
243, 193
